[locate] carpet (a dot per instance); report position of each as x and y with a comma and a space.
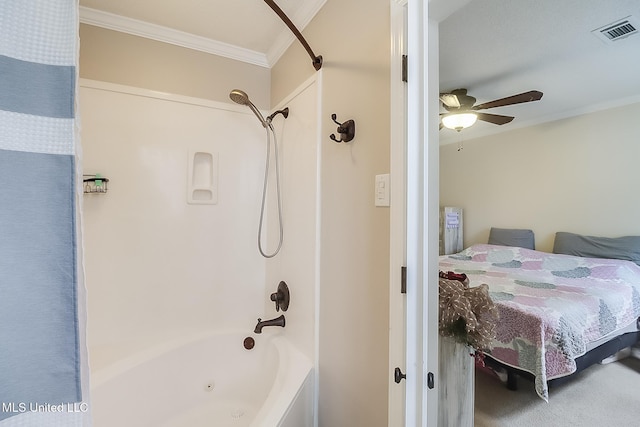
602, 395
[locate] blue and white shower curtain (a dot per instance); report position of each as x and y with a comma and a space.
43, 362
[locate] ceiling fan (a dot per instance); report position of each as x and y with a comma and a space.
462, 113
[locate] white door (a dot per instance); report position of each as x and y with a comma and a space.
398, 259
422, 217
414, 210
414, 218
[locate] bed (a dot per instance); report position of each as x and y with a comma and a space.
558, 313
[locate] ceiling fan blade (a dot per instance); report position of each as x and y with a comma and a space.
532, 95
496, 119
450, 100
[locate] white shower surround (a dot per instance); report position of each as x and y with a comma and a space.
158, 268
298, 261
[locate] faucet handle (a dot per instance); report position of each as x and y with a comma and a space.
276, 298
281, 297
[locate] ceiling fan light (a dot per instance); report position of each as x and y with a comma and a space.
459, 121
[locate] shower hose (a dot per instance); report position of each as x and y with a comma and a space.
269, 130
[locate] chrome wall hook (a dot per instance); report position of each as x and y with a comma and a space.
347, 130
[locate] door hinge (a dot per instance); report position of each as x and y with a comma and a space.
431, 383
405, 70
403, 279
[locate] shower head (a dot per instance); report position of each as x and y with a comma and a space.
240, 97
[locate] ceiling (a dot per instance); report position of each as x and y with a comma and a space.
498, 48
493, 48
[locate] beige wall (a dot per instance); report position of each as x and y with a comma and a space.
115, 57
353, 36
578, 174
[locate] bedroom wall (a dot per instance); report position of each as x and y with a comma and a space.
577, 174
353, 38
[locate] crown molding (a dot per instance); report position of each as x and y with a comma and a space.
159, 33
147, 30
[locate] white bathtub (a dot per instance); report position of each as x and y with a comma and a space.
207, 380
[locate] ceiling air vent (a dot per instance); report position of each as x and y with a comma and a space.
617, 30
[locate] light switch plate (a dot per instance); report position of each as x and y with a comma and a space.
382, 190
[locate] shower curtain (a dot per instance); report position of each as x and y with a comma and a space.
43, 358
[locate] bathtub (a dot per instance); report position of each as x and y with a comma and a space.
207, 380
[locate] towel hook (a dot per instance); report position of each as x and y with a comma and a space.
347, 130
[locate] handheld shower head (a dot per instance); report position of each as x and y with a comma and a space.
240, 97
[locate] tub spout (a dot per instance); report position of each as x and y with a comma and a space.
278, 321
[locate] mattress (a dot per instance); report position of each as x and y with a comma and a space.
553, 308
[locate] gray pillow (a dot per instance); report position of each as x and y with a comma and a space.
625, 248
512, 237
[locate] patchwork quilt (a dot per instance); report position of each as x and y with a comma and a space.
551, 306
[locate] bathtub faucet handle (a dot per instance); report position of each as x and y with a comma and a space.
281, 297
276, 298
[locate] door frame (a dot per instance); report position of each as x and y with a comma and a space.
422, 173
415, 158
397, 238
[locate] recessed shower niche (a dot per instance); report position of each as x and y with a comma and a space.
202, 178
